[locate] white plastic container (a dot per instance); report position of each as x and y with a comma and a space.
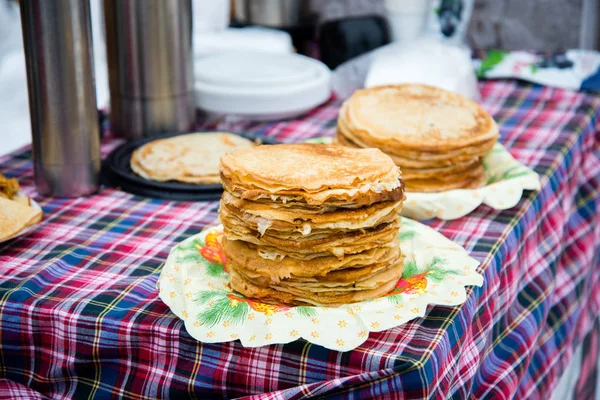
260, 86
407, 18
427, 61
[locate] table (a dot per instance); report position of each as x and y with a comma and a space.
80, 317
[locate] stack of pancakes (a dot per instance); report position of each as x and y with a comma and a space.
437, 137
311, 224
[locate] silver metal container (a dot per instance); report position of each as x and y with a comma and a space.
273, 13
62, 96
149, 54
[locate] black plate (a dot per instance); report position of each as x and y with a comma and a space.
108, 178
117, 172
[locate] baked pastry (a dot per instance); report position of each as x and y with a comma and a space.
311, 224
437, 137
16, 212
16, 216
191, 158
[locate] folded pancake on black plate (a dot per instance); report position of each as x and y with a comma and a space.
191, 158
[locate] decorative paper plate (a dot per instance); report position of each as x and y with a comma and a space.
506, 178
194, 284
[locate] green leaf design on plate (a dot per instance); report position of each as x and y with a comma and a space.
188, 252
436, 272
410, 268
406, 235
534, 68
395, 299
307, 312
414, 279
407, 222
436, 262
493, 58
192, 245
221, 309
214, 270
511, 173
516, 171
434, 269
205, 296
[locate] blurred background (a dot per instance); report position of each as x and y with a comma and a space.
333, 30
545, 25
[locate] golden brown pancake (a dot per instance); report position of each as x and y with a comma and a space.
339, 245
247, 255
336, 198
436, 137
423, 157
316, 172
419, 117
442, 172
337, 278
261, 216
191, 158
342, 280
295, 234
311, 224
425, 186
15, 216
408, 163
294, 296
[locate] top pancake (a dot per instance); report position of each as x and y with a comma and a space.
418, 117
310, 168
191, 158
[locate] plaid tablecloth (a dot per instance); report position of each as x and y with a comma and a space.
80, 317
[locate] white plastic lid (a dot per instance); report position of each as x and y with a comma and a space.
253, 69
259, 85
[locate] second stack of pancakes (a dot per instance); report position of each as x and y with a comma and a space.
437, 137
311, 224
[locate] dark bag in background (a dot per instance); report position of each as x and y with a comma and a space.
343, 39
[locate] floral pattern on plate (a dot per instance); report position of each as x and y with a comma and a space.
194, 284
